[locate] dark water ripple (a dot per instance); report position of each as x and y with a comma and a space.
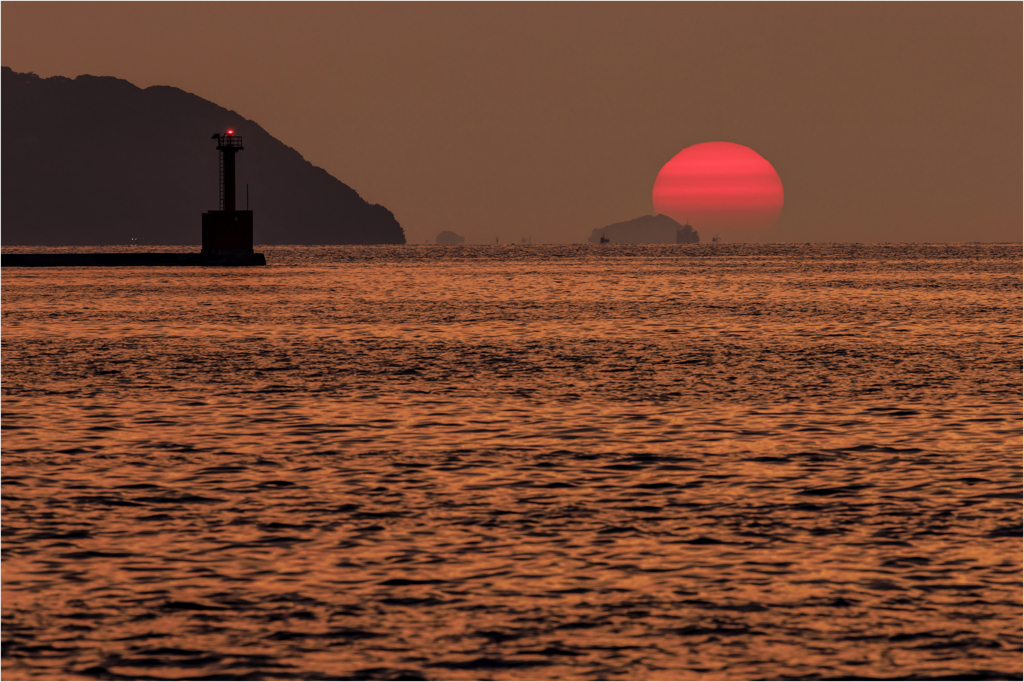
517, 463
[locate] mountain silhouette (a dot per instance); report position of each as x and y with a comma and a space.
449, 237
97, 160
647, 229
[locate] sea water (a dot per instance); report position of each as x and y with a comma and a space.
572, 462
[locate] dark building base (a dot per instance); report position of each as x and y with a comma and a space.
227, 231
128, 260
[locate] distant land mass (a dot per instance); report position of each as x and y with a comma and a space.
647, 229
96, 160
449, 237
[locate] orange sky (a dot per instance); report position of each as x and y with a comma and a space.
886, 122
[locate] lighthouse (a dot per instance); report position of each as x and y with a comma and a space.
227, 231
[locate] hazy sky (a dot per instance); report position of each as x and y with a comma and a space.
886, 122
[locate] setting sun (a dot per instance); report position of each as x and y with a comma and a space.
720, 187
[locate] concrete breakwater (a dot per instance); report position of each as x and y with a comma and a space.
78, 260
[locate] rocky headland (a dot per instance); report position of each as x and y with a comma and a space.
97, 160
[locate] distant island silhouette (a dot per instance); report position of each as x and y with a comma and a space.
449, 237
647, 229
96, 160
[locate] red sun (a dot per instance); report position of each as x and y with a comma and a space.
720, 187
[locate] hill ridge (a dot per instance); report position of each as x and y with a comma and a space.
96, 160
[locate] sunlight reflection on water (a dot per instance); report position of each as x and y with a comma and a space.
517, 462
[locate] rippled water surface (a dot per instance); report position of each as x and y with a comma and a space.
517, 462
